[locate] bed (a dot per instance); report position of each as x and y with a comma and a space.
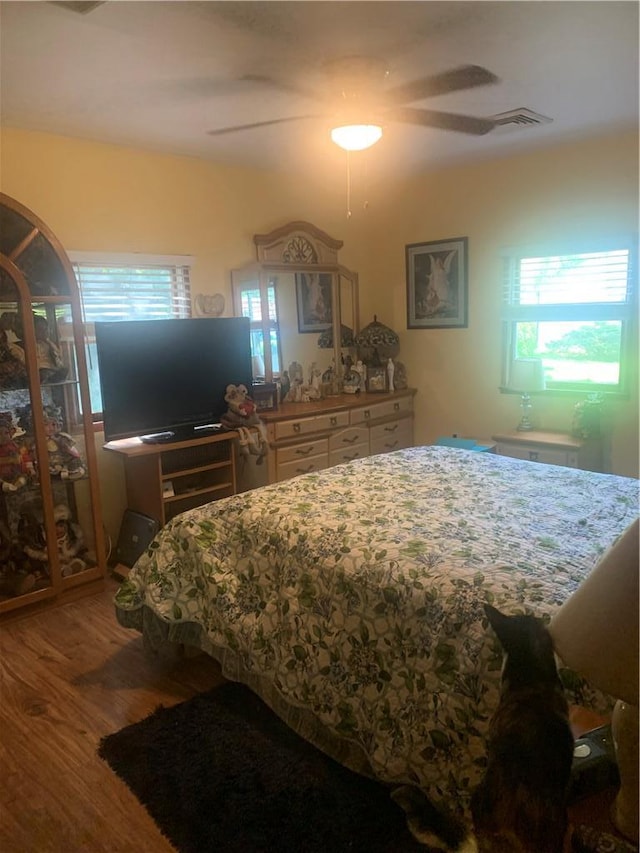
351, 600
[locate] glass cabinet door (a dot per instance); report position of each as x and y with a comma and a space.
50, 530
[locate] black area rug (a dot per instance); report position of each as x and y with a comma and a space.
221, 773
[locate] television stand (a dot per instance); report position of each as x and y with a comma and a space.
167, 476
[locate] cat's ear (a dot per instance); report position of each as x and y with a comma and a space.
500, 623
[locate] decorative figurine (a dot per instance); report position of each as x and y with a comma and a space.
72, 552
13, 470
390, 372
64, 457
400, 382
13, 373
50, 363
15, 575
285, 385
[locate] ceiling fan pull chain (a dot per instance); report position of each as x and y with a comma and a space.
348, 185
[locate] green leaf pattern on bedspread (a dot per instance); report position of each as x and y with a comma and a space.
358, 592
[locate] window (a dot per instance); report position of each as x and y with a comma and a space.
248, 297
126, 287
575, 312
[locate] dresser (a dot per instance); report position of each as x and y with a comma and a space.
306, 437
552, 448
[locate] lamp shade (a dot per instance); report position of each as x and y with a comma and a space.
595, 632
325, 340
377, 342
356, 137
526, 375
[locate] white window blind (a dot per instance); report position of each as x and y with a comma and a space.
127, 287
574, 281
572, 310
142, 292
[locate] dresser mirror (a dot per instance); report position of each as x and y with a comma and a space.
300, 300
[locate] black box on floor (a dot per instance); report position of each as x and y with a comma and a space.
136, 532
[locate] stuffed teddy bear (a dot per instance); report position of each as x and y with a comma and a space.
12, 467
240, 403
72, 551
241, 415
64, 457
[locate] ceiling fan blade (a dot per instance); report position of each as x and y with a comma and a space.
445, 121
464, 77
222, 130
282, 86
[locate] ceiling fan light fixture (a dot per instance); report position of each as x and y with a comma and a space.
356, 137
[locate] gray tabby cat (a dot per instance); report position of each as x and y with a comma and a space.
520, 805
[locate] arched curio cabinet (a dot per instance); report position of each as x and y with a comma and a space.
51, 535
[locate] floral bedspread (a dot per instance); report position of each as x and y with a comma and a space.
351, 600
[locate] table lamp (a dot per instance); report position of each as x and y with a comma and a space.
595, 633
377, 343
526, 376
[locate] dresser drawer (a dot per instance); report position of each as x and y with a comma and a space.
348, 454
306, 426
393, 435
301, 466
382, 410
568, 458
349, 437
304, 450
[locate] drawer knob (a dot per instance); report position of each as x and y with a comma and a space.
296, 427
533, 455
305, 470
396, 407
391, 428
333, 421
350, 440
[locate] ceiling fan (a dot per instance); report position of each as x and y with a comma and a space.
356, 98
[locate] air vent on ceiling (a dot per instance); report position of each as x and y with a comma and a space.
518, 120
79, 6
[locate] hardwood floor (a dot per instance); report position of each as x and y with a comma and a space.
68, 677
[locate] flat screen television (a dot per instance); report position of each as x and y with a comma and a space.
165, 380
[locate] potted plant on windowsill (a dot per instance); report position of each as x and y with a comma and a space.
588, 417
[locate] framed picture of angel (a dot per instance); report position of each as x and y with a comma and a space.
313, 296
437, 287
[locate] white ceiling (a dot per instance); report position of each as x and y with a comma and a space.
159, 75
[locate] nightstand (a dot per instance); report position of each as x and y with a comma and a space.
552, 448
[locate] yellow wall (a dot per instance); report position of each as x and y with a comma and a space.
582, 190
108, 198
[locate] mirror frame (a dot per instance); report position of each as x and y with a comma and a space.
298, 247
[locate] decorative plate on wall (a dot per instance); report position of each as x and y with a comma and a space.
209, 304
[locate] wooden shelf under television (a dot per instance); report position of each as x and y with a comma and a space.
167, 478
